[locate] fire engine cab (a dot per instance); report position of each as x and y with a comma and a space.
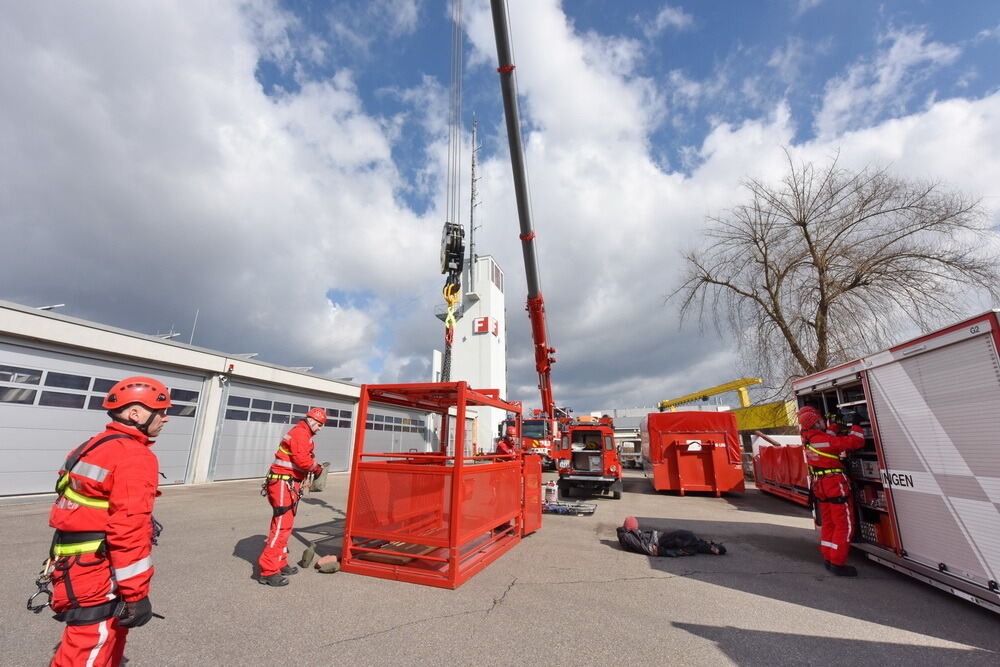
588, 458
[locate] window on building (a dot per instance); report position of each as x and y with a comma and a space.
282, 407
260, 404
66, 381
95, 403
260, 417
300, 409
60, 399
102, 385
345, 414
184, 395
343, 424
17, 395
182, 410
279, 419
238, 402
19, 375
237, 415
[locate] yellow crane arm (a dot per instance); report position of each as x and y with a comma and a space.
739, 386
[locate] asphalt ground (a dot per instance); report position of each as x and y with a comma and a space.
566, 595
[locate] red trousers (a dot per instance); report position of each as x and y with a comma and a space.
281, 494
85, 581
98, 645
837, 517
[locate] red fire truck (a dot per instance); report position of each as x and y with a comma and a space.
926, 486
536, 438
588, 458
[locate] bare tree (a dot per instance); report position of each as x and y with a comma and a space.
831, 265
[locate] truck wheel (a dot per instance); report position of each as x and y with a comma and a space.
617, 495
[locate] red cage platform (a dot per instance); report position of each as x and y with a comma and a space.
436, 518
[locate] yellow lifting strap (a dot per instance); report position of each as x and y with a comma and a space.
450, 293
816, 451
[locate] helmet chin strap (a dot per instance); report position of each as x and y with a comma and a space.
142, 428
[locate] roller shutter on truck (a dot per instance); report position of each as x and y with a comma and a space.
938, 417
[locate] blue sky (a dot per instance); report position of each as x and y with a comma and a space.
278, 166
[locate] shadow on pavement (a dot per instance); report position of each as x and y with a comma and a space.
758, 501
783, 563
249, 549
759, 647
325, 535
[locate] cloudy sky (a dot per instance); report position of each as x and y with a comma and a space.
278, 166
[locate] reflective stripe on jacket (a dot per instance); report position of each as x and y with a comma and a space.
111, 490
823, 448
295, 454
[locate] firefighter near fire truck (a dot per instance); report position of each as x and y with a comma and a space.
294, 461
830, 488
507, 445
99, 564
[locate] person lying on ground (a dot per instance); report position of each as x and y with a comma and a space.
672, 543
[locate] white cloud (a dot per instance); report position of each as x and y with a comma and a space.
884, 84
668, 17
147, 175
803, 6
181, 186
988, 33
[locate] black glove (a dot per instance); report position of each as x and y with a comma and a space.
136, 613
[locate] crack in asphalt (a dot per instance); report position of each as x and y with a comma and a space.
402, 625
499, 600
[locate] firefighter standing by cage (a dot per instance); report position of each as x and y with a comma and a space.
100, 558
293, 461
830, 486
507, 445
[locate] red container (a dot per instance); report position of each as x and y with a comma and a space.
781, 471
693, 451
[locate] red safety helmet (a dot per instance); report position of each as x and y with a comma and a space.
145, 391
511, 430
808, 416
630, 523
319, 414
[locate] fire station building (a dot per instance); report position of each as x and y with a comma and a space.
228, 414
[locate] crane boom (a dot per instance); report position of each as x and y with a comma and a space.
739, 386
544, 355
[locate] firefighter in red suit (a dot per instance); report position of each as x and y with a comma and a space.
508, 444
293, 461
830, 486
100, 559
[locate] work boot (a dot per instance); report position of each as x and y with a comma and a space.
276, 579
289, 570
843, 570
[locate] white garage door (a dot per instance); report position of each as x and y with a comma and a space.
50, 402
257, 417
